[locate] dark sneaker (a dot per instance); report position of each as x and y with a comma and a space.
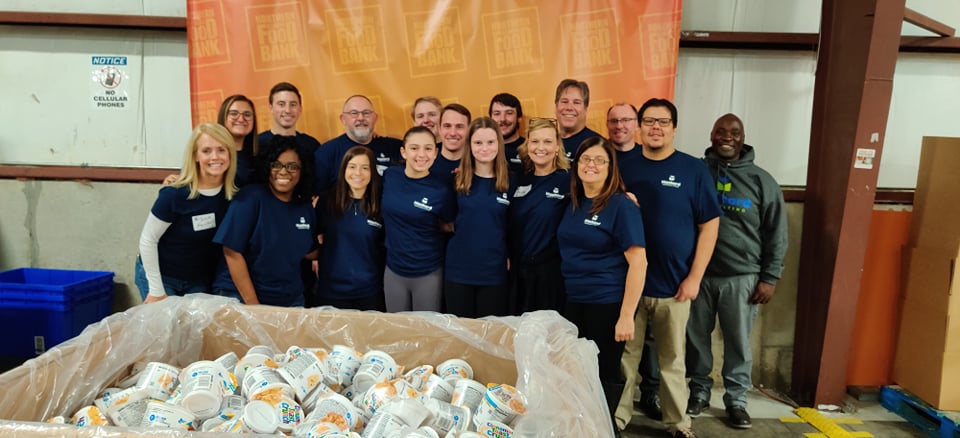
695, 407
738, 418
684, 433
651, 408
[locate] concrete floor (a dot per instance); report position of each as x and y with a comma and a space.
766, 414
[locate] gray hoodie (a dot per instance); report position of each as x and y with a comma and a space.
753, 228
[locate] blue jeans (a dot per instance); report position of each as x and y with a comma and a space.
173, 286
726, 298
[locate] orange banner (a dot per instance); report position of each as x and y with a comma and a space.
463, 51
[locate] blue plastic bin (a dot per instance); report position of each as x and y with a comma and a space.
40, 308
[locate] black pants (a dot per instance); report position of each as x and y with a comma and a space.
597, 322
369, 303
470, 301
537, 284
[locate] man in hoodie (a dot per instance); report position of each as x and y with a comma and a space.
743, 272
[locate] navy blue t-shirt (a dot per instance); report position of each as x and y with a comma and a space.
513, 159
186, 249
676, 195
570, 144
536, 207
386, 151
412, 212
351, 262
273, 237
305, 140
246, 168
592, 247
443, 168
477, 252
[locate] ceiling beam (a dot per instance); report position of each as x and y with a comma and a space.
141, 22
926, 23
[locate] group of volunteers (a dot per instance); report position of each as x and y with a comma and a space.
642, 247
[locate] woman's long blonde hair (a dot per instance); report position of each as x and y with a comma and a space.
190, 170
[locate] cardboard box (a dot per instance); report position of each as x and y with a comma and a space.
928, 349
936, 201
539, 353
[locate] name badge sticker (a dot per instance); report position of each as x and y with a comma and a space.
204, 222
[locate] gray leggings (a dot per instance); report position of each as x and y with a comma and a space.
413, 293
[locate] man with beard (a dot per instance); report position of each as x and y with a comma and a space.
505, 109
572, 100
359, 121
286, 106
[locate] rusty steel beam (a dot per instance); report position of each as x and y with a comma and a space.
926, 23
141, 22
851, 104
85, 173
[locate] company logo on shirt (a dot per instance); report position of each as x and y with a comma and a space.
303, 225
670, 182
592, 221
383, 158
374, 223
503, 199
515, 160
555, 194
423, 204
729, 203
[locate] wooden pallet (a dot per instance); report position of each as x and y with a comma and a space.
931, 421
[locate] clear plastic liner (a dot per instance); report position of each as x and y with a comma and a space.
539, 353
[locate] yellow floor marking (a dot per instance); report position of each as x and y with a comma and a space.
828, 428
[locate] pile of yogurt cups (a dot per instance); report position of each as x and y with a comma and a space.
309, 392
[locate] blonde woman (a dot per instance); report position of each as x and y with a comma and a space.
540, 196
177, 254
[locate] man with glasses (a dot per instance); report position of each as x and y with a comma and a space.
681, 216
285, 105
359, 122
572, 100
622, 128
505, 109
742, 273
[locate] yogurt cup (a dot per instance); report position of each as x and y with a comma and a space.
158, 380
495, 429
261, 379
445, 417
89, 416
232, 407
411, 412
335, 408
320, 429
258, 417
501, 403
303, 373
287, 410
418, 377
125, 408
342, 365
310, 401
202, 395
423, 432
453, 369
259, 355
375, 397
438, 388
468, 393
228, 361
164, 415
383, 425
375, 366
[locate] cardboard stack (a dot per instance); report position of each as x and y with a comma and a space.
539, 353
928, 349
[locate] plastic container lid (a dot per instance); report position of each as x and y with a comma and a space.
261, 417
203, 404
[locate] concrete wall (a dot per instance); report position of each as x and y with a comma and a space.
75, 225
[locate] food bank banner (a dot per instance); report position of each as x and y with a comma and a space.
394, 51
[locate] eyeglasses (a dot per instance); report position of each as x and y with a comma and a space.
664, 122
624, 120
291, 167
594, 161
234, 114
354, 114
